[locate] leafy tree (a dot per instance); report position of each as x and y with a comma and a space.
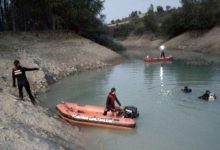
150, 20
160, 9
133, 14
25, 15
199, 14
82, 16
170, 25
123, 30
168, 8
193, 15
139, 28
4, 8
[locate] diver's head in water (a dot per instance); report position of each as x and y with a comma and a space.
186, 89
207, 91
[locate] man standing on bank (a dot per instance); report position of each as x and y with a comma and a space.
18, 72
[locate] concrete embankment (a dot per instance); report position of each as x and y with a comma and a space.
24, 126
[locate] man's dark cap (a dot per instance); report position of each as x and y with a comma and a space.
113, 90
16, 62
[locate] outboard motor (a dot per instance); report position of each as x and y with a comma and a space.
130, 112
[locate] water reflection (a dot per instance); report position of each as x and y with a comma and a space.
161, 76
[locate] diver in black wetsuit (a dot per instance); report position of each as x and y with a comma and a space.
208, 96
205, 96
186, 89
18, 72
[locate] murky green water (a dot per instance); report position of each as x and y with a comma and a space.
169, 119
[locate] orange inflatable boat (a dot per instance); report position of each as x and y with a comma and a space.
93, 115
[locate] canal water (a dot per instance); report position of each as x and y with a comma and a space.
169, 119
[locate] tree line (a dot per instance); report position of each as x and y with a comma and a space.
81, 16
192, 15
27, 15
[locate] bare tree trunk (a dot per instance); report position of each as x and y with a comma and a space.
22, 19
13, 23
2, 14
1, 10
53, 23
5, 14
25, 24
13, 20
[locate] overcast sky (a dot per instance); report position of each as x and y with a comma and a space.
117, 9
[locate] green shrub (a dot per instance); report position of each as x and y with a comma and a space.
139, 29
173, 25
123, 30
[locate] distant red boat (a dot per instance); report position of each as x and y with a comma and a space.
158, 59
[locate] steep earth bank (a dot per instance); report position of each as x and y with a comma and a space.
24, 126
56, 54
27, 127
195, 47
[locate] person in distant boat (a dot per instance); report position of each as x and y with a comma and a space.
208, 96
18, 72
162, 53
110, 103
186, 89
